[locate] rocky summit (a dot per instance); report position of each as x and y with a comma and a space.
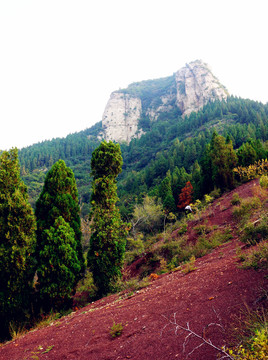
188, 90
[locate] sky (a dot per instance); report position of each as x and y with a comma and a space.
61, 59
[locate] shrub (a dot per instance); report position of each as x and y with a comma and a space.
257, 258
189, 266
242, 211
206, 243
235, 199
116, 330
253, 171
216, 193
220, 237
254, 233
264, 181
203, 229
135, 247
87, 285
256, 348
182, 230
169, 250
132, 284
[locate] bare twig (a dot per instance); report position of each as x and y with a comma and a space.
202, 338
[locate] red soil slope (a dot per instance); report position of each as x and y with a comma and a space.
214, 293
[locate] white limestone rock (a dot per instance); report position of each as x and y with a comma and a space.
120, 118
196, 85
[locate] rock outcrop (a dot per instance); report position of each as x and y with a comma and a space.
196, 85
188, 90
120, 118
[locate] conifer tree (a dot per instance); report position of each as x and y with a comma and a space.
165, 192
58, 265
217, 163
59, 198
223, 160
17, 242
108, 238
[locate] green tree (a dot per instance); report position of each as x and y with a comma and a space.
165, 192
108, 238
246, 154
223, 160
17, 242
59, 198
148, 216
58, 265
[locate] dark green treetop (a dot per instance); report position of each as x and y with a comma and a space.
106, 161
59, 197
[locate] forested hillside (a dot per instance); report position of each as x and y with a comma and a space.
171, 143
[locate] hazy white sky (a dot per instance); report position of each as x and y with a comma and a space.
61, 59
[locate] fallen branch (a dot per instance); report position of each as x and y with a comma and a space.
202, 338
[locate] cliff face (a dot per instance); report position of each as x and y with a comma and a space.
120, 118
188, 90
196, 85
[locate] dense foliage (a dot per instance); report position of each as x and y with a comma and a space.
108, 238
58, 265
172, 143
17, 242
57, 211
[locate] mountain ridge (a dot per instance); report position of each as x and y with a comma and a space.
188, 90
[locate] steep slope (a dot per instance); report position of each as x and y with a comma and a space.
188, 90
215, 293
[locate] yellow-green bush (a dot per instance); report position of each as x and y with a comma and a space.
253, 171
264, 181
257, 348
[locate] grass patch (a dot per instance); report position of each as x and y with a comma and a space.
132, 284
257, 258
253, 233
189, 266
243, 211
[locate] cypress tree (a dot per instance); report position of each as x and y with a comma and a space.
58, 265
59, 198
17, 242
108, 238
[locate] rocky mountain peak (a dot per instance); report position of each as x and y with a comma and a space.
188, 90
196, 85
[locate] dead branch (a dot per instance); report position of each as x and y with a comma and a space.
202, 338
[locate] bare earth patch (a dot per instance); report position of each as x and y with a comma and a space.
214, 293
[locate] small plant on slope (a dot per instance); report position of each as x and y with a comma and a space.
116, 330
